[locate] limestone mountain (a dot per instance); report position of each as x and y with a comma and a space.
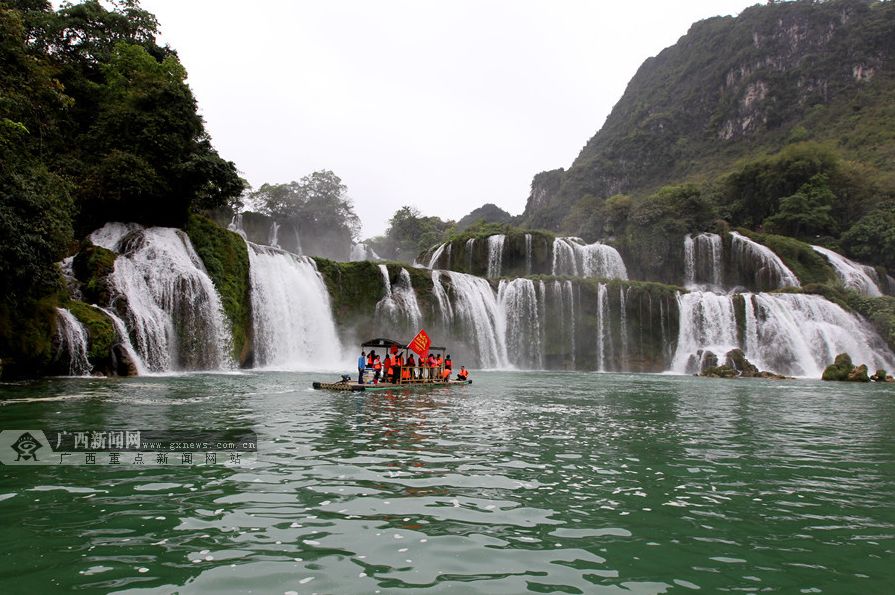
733, 89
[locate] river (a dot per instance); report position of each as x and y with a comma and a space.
543, 482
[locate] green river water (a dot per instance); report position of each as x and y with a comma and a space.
521, 482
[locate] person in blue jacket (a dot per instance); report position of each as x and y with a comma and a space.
361, 364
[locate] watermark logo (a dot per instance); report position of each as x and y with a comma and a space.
127, 447
26, 447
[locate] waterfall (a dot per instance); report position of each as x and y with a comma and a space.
572, 257
564, 262
569, 297
298, 248
761, 263
477, 317
542, 316
291, 312
707, 323
358, 253
803, 333
236, 225
604, 332
495, 255
67, 268
702, 260
442, 249
623, 325
689, 261
71, 338
361, 252
470, 245
791, 334
168, 301
518, 303
399, 305
852, 274
445, 312
272, 236
125, 339
528, 255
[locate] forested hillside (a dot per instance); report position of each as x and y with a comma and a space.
97, 123
781, 119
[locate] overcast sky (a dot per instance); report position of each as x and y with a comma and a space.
444, 105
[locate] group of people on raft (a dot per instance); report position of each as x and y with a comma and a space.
404, 367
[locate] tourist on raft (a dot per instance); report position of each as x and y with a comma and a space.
377, 368
463, 374
361, 366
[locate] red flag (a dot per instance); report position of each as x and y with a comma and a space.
420, 344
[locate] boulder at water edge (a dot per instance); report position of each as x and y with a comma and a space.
859, 374
839, 369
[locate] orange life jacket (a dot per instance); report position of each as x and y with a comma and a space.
377, 364
438, 361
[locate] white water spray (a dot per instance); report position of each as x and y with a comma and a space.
291, 312
852, 274
71, 337
172, 309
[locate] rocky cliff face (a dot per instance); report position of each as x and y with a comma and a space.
730, 87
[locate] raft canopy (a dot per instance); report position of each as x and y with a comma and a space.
387, 344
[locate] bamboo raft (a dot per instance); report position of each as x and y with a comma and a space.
420, 376
351, 386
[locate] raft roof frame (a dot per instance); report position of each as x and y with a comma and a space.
388, 343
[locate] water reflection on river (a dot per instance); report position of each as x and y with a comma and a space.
546, 482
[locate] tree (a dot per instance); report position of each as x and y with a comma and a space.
872, 238
318, 202
409, 233
808, 212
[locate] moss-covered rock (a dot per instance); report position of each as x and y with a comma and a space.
226, 259
724, 371
879, 376
468, 252
101, 336
859, 374
839, 369
92, 267
808, 265
736, 359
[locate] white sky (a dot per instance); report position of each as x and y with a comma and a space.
445, 105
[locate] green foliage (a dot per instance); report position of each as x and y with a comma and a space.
840, 369
101, 334
92, 267
649, 239
319, 200
753, 192
872, 238
487, 213
225, 257
26, 336
409, 234
807, 212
